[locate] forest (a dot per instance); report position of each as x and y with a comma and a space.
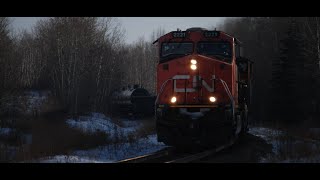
82, 60
286, 56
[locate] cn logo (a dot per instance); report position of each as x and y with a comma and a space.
194, 84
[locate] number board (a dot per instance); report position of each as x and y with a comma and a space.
179, 34
211, 34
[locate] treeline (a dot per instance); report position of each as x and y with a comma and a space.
80, 59
83, 59
286, 55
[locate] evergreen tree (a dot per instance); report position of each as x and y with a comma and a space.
288, 76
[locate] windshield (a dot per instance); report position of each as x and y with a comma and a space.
220, 50
175, 48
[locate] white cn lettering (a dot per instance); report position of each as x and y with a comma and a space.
177, 77
210, 89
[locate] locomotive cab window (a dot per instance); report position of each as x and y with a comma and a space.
175, 49
219, 50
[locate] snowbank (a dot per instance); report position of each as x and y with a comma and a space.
118, 150
287, 148
97, 122
7, 132
110, 153
269, 135
66, 159
122, 151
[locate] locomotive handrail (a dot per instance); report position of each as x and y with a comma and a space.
162, 86
229, 94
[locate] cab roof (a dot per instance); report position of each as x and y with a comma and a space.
200, 29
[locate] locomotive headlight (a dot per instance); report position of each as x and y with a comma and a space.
212, 99
193, 61
173, 99
193, 66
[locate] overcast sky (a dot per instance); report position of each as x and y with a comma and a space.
139, 26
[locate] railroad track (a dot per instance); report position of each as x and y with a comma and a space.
201, 155
153, 157
169, 155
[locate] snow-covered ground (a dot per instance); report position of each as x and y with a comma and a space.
7, 132
97, 122
121, 151
35, 100
109, 153
269, 135
287, 148
67, 159
313, 159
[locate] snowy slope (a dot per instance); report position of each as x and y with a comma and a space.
96, 122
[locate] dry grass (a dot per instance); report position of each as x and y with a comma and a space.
148, 127
49, 137
52, 136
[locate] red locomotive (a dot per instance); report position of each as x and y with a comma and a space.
203, 88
